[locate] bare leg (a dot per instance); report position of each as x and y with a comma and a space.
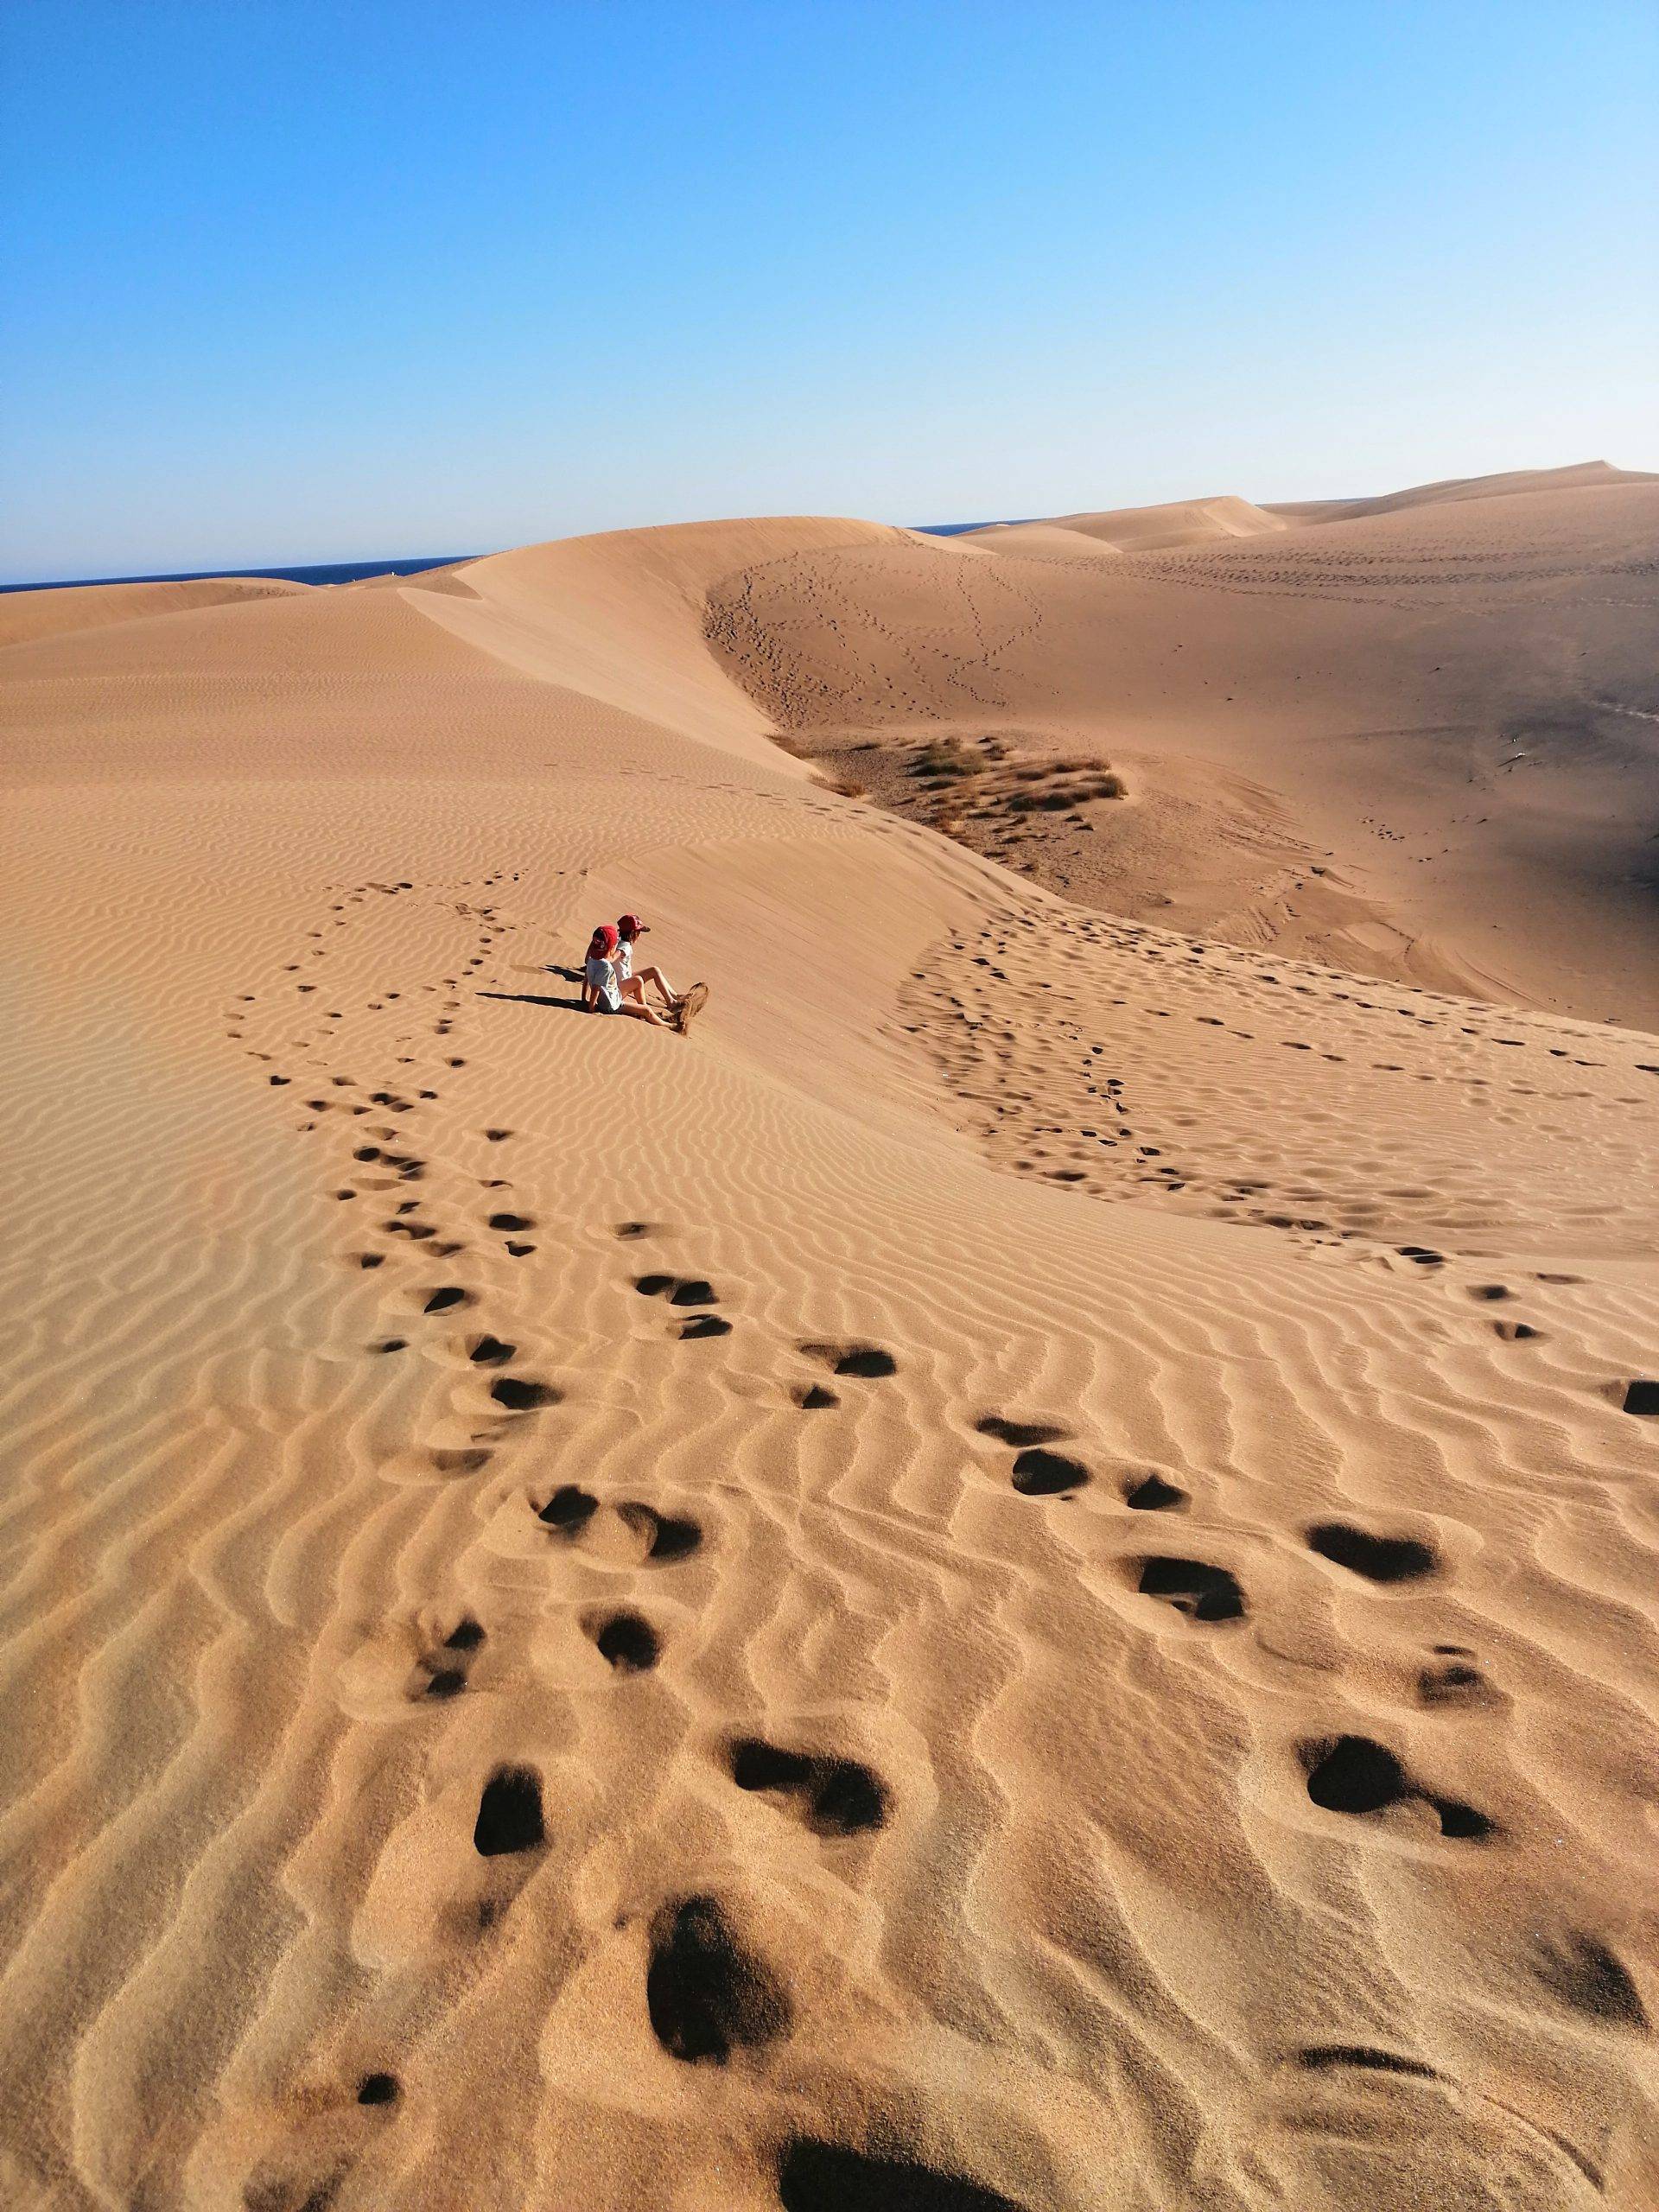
654, 975
641, 1012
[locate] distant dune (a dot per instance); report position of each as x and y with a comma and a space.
1018, 1576
1039, 541
1186, 522
26, 615
1586, 475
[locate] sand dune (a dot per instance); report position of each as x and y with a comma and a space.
1183, 522
26, 615
1040, 541
1022, 1574
1583, 476
1421, 744
1132, 530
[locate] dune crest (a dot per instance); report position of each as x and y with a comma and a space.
25, 615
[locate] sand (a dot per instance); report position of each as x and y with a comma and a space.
1023, 1572
1420, 744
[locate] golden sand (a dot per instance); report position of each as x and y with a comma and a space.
1022, 1573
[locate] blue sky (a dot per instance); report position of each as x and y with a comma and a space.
286, 282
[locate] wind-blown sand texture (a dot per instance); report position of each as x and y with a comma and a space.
1022, 1574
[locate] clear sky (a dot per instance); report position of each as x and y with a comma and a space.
292, 282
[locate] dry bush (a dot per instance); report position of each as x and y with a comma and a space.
945, 757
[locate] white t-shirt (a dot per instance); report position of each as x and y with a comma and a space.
623, 958
600, 973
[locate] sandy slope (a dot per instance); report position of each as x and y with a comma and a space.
911, 1602
26, 614
1422, 744
1581, 475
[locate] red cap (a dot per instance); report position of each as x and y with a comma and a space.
631, 925
606, 936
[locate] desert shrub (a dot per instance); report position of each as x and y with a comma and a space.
945, 757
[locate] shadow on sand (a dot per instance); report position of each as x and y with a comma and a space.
536, 998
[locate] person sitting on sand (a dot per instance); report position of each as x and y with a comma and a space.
602, 986
629, 929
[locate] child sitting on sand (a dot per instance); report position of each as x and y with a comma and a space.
629, 929
609, 987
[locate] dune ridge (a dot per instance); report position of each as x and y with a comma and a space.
1420, 745
48, 613
788, 1618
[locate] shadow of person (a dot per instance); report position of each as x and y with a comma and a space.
536, 998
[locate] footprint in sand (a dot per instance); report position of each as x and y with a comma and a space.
512, 1226
686, 1290
1192, 1586
707, 1992
1378, 1559
625, 1639
510, 1813
679, 1290
628, 1533
814, 2175
459, 1459
1039, 1472
1150, 1493
1585, 1974
1355, 1776
399, 1667
519, 1394
865, 1363
833, 1796
1451, 1679
1020, 1432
